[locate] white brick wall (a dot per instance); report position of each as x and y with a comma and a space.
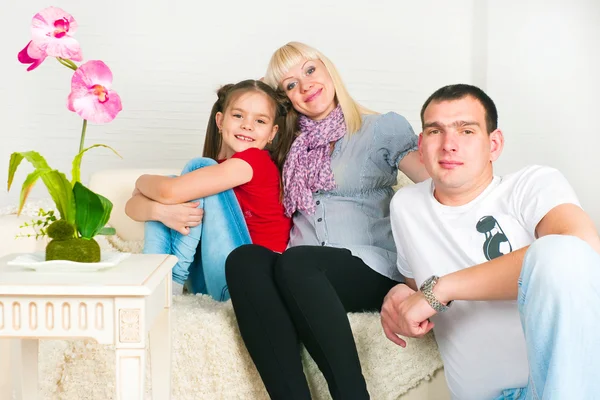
168, 57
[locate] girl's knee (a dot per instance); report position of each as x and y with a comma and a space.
197, 163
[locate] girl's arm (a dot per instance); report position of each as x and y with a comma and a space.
140, 208
196, 184
412, 167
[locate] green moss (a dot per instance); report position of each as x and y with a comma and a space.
73, 249
61, 230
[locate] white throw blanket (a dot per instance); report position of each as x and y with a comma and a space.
209, 357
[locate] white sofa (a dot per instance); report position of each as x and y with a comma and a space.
209, 358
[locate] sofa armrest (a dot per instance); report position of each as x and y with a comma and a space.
117, 186
9, 229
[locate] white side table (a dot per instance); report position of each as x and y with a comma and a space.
117, 306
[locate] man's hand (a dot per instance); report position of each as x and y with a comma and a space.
180, 217
405, 312
389, 312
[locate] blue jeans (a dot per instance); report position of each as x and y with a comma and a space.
202, 262
559, 303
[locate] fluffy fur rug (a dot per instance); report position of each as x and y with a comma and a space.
211, 362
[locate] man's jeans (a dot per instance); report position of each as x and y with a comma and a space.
559, 303
222, 230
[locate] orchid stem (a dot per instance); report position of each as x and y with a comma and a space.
72, 64
83, 129
67, 63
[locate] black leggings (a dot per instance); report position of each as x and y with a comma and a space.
302, 296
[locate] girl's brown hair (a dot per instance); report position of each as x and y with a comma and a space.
285, 119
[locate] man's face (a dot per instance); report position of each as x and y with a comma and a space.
455, 146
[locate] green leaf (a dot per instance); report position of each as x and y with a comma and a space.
56, 182
27, 186
13, 164
107, 231
61, 191
33, 157
76, 174
93, 211
59, 188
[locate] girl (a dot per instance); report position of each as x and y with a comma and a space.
338, 180
236, 200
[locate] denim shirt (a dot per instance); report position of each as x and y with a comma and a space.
356, 214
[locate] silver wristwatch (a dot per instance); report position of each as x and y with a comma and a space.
427, 290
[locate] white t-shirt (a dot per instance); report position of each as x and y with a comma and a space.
481, 342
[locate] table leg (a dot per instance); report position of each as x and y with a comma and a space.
160, 356
25, 366
130, 371
6, 377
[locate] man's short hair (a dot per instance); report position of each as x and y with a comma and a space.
459, 91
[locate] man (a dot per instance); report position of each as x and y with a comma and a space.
508, 267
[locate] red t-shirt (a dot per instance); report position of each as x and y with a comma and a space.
260, 201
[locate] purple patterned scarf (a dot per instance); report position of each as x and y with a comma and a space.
308, 164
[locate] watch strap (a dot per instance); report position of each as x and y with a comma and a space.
427, 290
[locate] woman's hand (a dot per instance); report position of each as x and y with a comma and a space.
412, 167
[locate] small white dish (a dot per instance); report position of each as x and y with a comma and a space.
37, 262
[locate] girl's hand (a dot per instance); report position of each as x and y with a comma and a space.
180, 217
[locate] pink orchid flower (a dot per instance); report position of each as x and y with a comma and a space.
52, 30
91, 95
33, 55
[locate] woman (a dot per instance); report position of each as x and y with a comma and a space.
338, 180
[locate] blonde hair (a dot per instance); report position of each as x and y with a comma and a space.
292, 54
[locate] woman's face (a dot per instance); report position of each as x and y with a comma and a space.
309, 87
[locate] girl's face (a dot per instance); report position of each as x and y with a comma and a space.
248, 122
309, 87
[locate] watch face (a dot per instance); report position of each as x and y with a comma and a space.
428, 282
